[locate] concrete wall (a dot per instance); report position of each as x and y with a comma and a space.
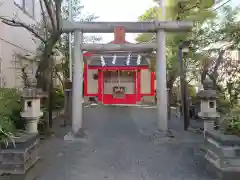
145, 81
14, 41
92, 84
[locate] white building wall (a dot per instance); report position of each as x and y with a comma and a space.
16, 40
92, 83
145, 81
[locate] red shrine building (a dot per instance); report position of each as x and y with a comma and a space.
118, 77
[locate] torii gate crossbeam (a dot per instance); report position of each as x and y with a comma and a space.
130, 27
145, 47
133, 27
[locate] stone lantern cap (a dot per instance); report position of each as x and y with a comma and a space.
31, 92
208, 93
207, 84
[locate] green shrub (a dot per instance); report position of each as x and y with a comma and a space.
233, 126
58, 98
10, 108
223, 105
192, 91
231, 123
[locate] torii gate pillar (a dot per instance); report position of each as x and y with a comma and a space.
161, 89
77, 85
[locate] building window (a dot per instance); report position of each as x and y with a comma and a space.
27, 6
19, 2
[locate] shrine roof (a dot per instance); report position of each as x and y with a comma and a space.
127, 61
118, 58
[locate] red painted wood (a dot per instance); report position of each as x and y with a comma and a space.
85, 84
128, 99
135, 82
138, 85
87, 54
100, 84
119, 35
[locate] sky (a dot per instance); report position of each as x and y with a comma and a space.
122, 10
117, 10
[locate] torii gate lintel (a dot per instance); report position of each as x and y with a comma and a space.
130, 27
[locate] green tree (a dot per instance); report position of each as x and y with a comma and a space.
176, 10
221, 36
77, 15
49, 32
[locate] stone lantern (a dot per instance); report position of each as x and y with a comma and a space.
208, 111
32, 112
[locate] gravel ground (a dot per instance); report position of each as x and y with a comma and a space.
119, 147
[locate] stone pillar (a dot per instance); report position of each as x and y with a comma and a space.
162, 101
208, 111
32, 111
77, 83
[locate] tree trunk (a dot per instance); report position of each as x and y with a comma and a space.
43, 71
170, 82
44, 74
169, 101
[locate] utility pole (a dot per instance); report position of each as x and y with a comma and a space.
70, 39
183, 85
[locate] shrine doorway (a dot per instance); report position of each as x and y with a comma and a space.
119, 87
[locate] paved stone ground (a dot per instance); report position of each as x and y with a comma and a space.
119, 147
